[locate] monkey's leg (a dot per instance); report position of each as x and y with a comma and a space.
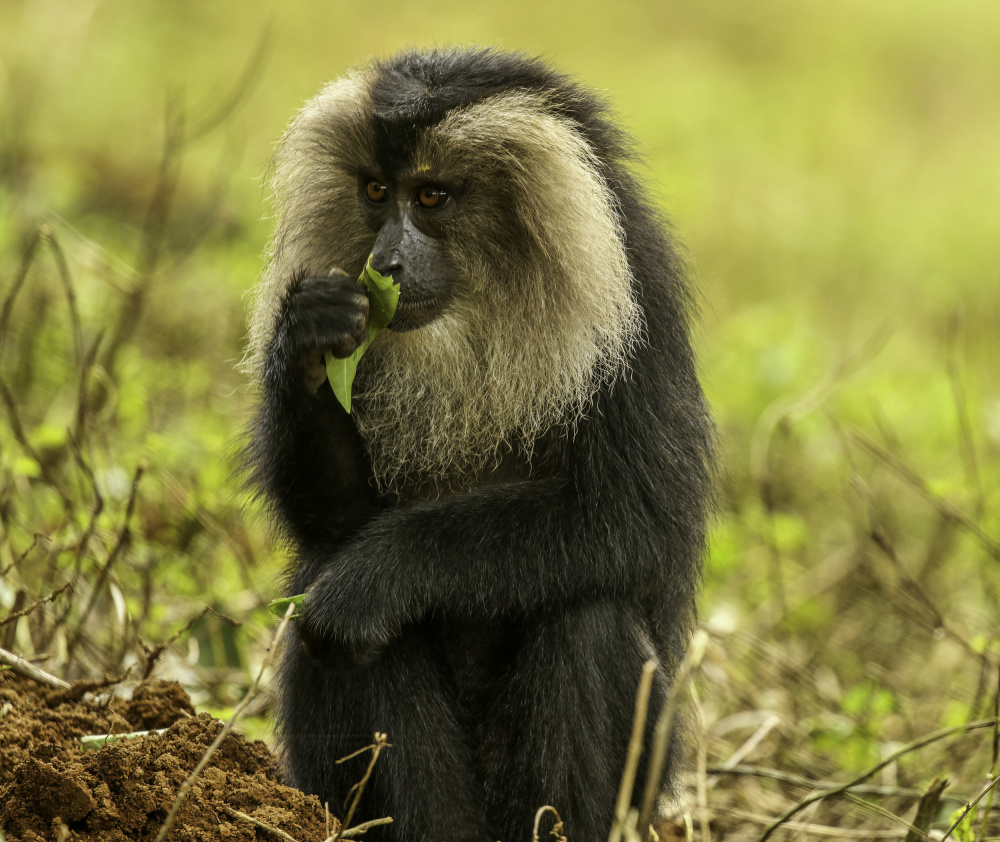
562, 722
425, 781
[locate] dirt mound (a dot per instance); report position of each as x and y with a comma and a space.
51, 789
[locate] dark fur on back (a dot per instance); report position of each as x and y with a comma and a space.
500, 623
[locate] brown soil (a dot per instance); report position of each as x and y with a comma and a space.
51, 789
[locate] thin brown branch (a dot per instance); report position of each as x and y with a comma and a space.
96, 509
16, 615
154, 231
20, 557
993, 762
381, 742
826, 831
62, 269
83, 391
153, 653
782, 415
914, 589
248, 79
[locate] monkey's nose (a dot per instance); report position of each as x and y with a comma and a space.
386, 254
386, 264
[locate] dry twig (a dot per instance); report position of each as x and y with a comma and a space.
236, 814
360, 829
557, 827
381, 742
22, 667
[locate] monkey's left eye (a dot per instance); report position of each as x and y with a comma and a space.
376, 191
431, 197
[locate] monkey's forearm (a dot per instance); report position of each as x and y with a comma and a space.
508, 550
312, 467
306, 453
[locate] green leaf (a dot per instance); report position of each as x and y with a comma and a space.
279, 606
383, 298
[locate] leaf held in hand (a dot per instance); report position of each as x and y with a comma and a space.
383, 297
279, 606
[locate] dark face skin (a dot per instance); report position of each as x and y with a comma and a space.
410, 215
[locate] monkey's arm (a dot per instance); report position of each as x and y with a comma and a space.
305, 453
506, 550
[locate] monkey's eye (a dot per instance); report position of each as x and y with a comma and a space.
431, 197
376, 191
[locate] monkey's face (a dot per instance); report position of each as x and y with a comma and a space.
410, 216
494, 216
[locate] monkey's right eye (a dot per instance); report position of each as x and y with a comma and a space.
376, 191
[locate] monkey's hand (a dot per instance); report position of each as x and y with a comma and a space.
340, 625
319, 313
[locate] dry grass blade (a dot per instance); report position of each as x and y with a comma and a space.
748, 746
664, 728
634, 751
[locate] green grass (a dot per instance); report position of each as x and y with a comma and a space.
834, 174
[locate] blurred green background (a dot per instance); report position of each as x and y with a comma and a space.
834, 172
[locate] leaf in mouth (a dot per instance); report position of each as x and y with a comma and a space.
383, 297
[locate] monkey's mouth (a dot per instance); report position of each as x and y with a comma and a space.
412, 314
